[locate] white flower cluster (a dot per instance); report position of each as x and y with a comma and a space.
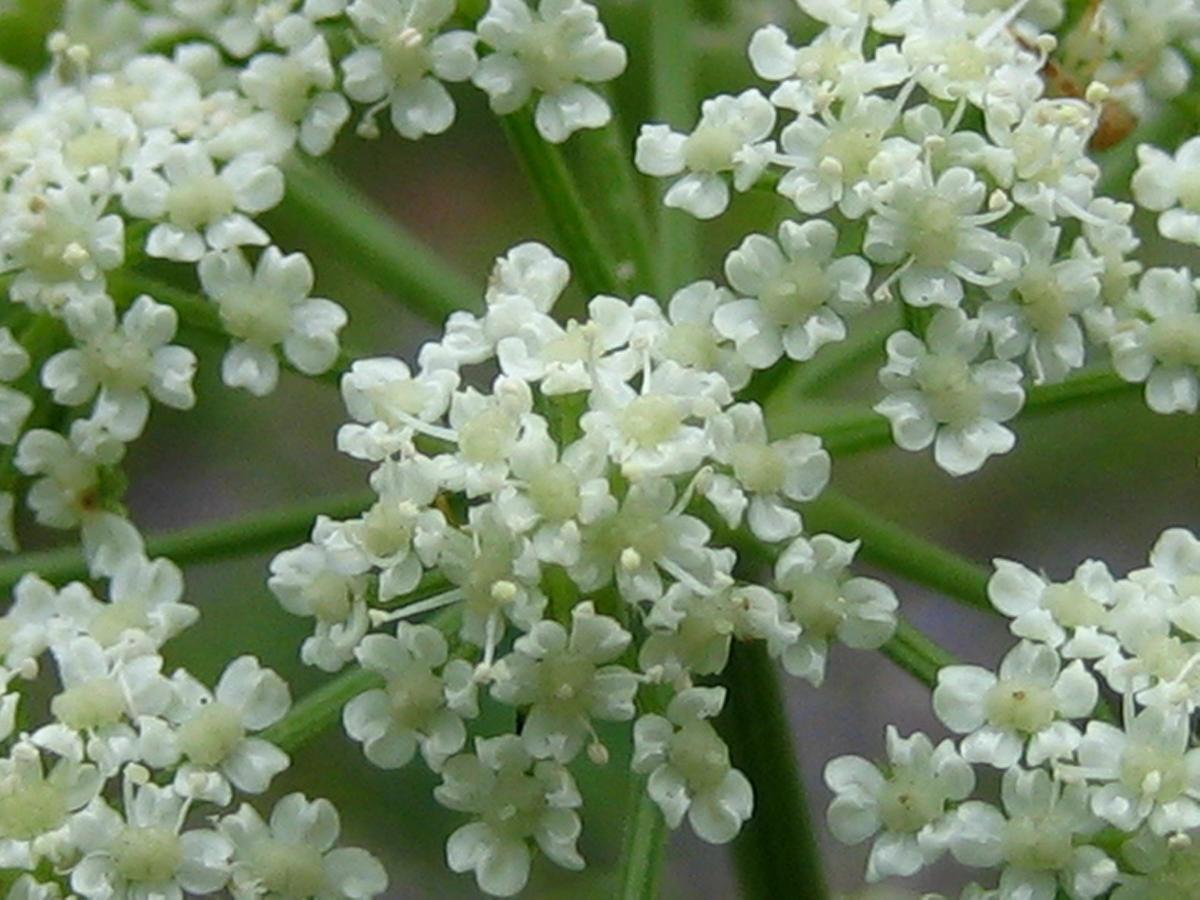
565, 532
126, 789
1094, 797
117, 160
932, 156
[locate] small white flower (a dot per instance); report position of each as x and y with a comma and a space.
298, 88
689, 768
417, 706
37, 806
1035, 838
550, 51
267, 306
514, 800
1026, 701
936, 231
566, 681
939, 395
1149, 773
15, 405
798, 293
826, 603
692, 633
774, 474
1171, 185
294, 854
124, 362
202, 207
404, 61
1072, 616
905, 804
1162, 347
60, 242
1038, 313
143, 853
731, 136
211, 732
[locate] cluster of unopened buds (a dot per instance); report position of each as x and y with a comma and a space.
573, 521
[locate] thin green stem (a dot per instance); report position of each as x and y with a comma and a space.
572, 220
320, 709
899, 550
917, 654
776, 854
645, 844
257, 533
673, 86
605, 155
350, 225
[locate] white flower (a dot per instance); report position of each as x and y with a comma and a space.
486, 428
1038, 313
549, 51
692, 633
298, 88
689, 768
651, 433
1034, 839
829, 159
498, 574
551, 493
403, 59
566, 681
860, 612
935, 230
775, 474
1162, 348
60, 242
1171, 185
514, 799
799, 293
417, 706
1149, 773
202, 207
731, 136
938, 395
1072, 616
25, 626
647, 533
294, 855
211, 732
123, 361
36, 806
907, 802
101, 693
832, 63
267, 306
143, 853
1026, 701
688, 334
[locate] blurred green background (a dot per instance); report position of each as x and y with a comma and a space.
1097, 482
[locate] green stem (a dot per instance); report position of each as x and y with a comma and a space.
847, 435
917, 654
572, 220
320, 709
605, 154
257, 533
644, 847
350, 225
897, 549
776, 854
673, 83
